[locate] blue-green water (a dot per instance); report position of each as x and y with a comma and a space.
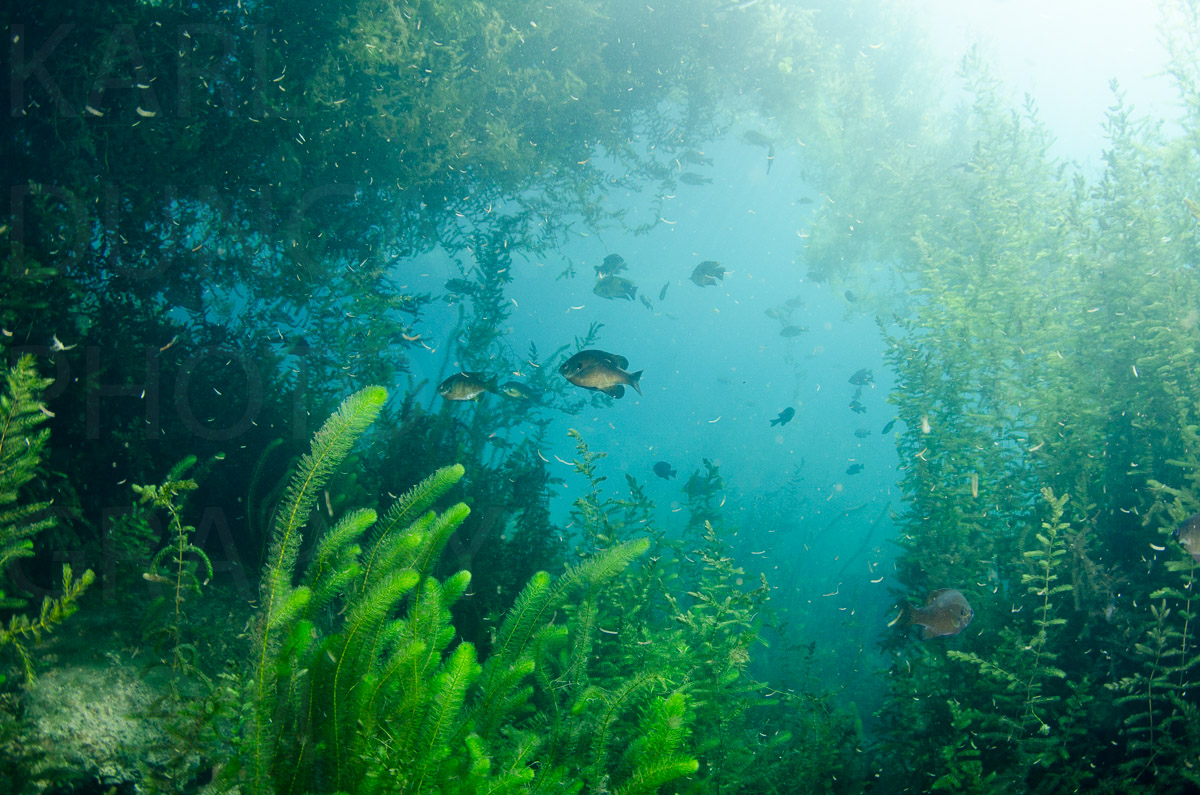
253, 542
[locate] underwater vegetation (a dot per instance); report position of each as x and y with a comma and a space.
323, 585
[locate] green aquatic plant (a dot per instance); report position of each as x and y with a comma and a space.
22, 443
22, 440
1160, 725
358, 684
283, 601
179, 562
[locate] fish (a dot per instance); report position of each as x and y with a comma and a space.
646, 302
755, 138
612, 265
1188, 536
615, 287
862, 376
601, 371
784, 417
857, 408
851, 297
692, 178
299, 346
518, 391
862, 433
734, 5
854, 469
693, 156
461, 286
464, 386
664, 470
888, 428
708, 273
663, 292
792, 331
946, 612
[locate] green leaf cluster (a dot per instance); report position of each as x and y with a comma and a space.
22, 442
358, 683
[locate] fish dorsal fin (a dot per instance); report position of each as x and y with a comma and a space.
933, 596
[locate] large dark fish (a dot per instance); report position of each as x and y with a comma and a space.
784, 417
461, 286
755, 138
862, 377
615, 287
691, 178
601, 371
1188, 535
612, 265
708, 273
792, 331
857, 408
664, 470
854, 469
464, 386
946, 612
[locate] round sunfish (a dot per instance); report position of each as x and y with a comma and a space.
612, 265
664, 470
946, 612
601, 371
615, 287
708, 273
464, 386
1188, 535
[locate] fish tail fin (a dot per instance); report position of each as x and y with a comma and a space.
673, 473
776, 421
635, 380
904, 619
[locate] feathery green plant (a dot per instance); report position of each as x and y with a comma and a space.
21, 444
282, 601
357, 684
